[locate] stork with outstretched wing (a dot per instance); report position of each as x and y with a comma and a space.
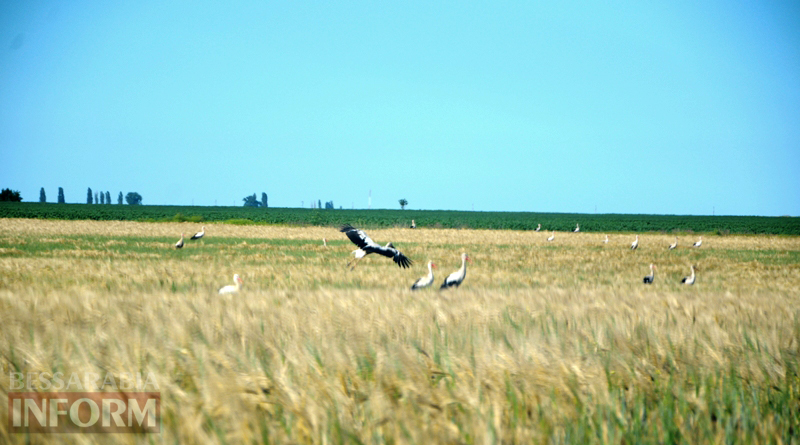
367, 246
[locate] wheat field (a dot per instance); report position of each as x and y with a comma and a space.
545, 342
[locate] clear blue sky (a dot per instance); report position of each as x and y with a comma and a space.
675, 107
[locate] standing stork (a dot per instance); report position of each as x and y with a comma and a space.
538, 228
577, 228
455, 278
674, 245
698, 243
605, 241
232, 288
179, 244
649, 278
367, 246
413, 224
324, 242
690, 279
552, 237
635, 244
199, 234
426, 280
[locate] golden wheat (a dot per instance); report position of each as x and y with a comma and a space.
310, 352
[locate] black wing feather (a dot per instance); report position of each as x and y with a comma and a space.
358, 237
402, 260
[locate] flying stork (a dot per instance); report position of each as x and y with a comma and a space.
674, 245
538, 228
179, 244
690, 279
426, 280
577, 228
199, 234
455, 278
552, 237
367, 246
649, 278
698, 243
232, 288
635, 244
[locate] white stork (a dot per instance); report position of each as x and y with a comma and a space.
635, 244
690, 279
552, 237
674, 245
367, 246
538, 228
426, 280
324, 242
698, 243
605, 241
232, 288
179, 244
455, 278
413, 224
577, 228
649, 278
199, 234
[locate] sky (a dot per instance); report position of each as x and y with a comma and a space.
678, 107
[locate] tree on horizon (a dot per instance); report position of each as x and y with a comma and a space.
89, 196
42, 196
119, 198
403, 203
61, 195
108, 197
10, 195
251, 201
264, 200
133, 198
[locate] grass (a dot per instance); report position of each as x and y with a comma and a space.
544, 342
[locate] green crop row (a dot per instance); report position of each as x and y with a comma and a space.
398, 218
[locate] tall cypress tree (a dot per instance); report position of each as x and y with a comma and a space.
61, 195
264, 200
89, 196
119, 198
42, 197
108, 197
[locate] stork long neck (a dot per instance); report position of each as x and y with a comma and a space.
430, 270
463, 269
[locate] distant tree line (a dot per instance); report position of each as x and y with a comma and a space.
99, 198
132, 198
